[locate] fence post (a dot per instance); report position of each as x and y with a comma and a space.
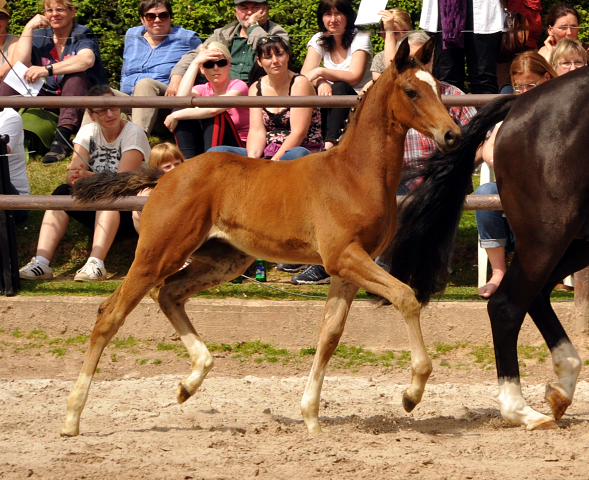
9, 280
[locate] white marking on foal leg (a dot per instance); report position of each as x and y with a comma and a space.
202, 363
75, 404
567, 365
515, 409
310, 402
429, 79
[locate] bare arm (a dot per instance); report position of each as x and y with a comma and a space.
78, 167
256, 137
80, 62
300, 118
352, 77
8, 61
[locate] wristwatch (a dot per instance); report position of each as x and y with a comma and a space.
255, 24
49, 68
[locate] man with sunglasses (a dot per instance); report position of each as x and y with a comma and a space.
67, 56
151, 51
241, 38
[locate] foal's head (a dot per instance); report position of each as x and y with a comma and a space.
416, 97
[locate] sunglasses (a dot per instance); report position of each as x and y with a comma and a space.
220, 63
270, 38
150, 17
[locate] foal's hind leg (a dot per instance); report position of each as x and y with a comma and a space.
341, 294
212, 264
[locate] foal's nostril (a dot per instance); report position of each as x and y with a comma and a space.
450, 138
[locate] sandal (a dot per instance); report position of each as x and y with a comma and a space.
56, 153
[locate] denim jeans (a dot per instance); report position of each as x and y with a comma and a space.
290, 154
493, 228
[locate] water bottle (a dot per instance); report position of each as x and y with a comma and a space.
260, 270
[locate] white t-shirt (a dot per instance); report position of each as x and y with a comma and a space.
105, 156
361, 41
11, 125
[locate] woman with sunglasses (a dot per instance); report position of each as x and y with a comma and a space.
528, 70
280, 133
198, 129
346, 56
7, 40
568, 55
108, 144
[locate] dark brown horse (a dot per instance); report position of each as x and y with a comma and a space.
543, 181
337, 208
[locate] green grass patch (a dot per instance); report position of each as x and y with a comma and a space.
128, 342
157, 361
540, 353
178, 348
77, 340
58, 351
484, 355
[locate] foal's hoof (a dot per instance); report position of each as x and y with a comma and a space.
68, 433
558, 400
182, 393
547, 424
408, 403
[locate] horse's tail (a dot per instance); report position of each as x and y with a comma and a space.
420, 252
116, 185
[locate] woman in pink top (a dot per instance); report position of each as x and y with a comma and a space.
198, 129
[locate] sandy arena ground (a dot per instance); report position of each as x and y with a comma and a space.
245, 421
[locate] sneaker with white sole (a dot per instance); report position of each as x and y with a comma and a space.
312, 275
92, 271
36, 271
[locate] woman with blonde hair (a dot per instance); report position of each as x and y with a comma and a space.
165, 156
568, 55
396, 22
198, 129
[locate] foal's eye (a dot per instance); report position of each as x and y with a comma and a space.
411, 93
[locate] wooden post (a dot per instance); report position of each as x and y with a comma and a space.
582, 300
9, 278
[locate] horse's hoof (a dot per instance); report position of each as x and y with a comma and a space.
68, 433
547, 424
408, 403
314, 430
557, 399
182, 393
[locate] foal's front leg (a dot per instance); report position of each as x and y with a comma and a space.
341, 294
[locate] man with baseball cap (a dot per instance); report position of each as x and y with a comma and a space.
241, 38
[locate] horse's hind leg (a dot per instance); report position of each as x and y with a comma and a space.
111, 316
212, 264
341, 294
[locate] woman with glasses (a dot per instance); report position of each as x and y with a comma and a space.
108, 144
7, 40
198, 129
563, 22
568, 55
346, 56
528, 70
280, 133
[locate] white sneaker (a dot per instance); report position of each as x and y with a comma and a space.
92, 271
36, 271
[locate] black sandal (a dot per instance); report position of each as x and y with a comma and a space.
56, 153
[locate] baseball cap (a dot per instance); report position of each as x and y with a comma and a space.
237, 2
4, 7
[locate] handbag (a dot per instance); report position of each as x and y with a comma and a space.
515, 35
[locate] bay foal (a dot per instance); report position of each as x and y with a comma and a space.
337, 208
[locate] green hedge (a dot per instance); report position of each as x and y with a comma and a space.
110, 19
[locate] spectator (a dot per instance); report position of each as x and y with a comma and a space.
198, 129
66, 54
108, 144
7, 40
528, 70
568, 55
346, 55
418, 148
11, 124
465, 30
241, 38
280, 133
166, 157
151, 51
396, 23
563, 21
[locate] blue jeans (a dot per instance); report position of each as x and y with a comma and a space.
493, 228
290, 154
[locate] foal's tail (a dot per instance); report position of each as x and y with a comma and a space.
116, 185
420, 252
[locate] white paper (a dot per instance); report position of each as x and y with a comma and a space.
15, 79
368, 11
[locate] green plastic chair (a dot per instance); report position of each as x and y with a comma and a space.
39, 126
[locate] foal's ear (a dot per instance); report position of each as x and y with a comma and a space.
402, 55
425, 53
